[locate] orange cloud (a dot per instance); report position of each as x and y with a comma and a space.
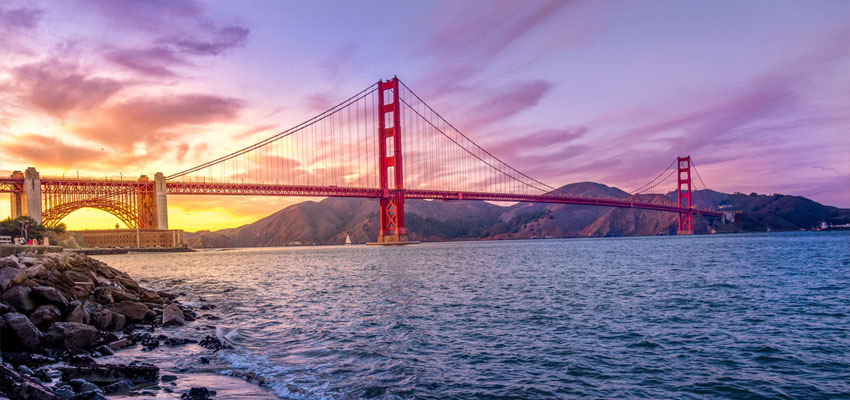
49, 152
155, 120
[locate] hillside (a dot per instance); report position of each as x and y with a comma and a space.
329, 221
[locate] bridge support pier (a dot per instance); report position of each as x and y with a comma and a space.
161, 199
30, 199
683, 192
16, 199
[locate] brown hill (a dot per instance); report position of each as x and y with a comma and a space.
329, 221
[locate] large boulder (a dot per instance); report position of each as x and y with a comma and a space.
121, 295
79, 315
45, 316
101, 319
10, 276
10, 261
118, 321
103, 295
79, 276
130, 309
19, 297
172, 315
49, 295
19, 386
150, 296
71, 335
25, 330
106, 374
127, 282
36, 271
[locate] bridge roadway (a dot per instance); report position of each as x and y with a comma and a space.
235, 189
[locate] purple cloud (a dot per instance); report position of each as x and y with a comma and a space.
152, 61
539, 141
16, 19
149, 15
218, 41
508, 102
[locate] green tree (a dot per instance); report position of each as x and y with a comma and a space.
25, 226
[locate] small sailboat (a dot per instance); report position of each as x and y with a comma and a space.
347, 239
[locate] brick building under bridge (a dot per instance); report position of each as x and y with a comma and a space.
105, 238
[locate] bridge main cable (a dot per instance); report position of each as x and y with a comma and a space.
547, 189
362, 94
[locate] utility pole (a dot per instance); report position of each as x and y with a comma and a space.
25, 227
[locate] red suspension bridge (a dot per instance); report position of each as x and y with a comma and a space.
383, 143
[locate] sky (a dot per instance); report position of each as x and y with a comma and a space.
756, 92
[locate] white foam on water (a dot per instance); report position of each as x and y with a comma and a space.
275, 376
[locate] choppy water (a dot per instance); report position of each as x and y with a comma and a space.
725, 316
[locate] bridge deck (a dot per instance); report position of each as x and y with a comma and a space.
235, 189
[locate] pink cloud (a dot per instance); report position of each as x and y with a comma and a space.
59, 88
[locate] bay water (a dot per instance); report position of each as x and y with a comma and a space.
741, 316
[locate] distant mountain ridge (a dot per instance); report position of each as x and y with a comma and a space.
329, 221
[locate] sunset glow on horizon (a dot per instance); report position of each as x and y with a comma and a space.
566, 91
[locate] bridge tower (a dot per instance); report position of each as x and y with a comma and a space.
390, 164
683, 191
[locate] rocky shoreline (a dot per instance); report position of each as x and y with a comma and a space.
61, 312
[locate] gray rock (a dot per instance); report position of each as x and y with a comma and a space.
88, 387
105, 374
172, 315
36, 271
10, 276
121, 295
49, 295
150, 296
18, 386
103, 295
45, 316
132, 310
79, 315
64, 392
25, 330
25, 370
10, 261
71, 335
20, 298
169, 378
85, 288
118, 388
127, 282
105, 350
118, 321
79, 276
77, 383
101, 319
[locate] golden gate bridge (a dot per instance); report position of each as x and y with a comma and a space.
383, 143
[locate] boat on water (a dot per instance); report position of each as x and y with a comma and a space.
347, 239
